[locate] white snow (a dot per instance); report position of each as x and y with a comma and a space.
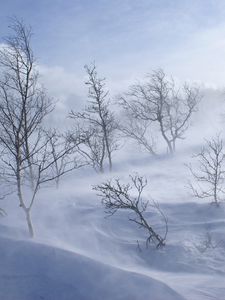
79, 254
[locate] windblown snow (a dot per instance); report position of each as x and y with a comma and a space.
80, 254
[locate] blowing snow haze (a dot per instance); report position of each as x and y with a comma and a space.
112, 168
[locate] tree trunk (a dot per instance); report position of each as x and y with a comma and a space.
164, 136
107, 148
29, 223
101, 162
22, 203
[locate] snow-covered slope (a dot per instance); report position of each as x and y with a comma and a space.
79, 254
35, 271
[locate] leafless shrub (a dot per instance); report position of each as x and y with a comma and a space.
116, 196
207, 243
209, 174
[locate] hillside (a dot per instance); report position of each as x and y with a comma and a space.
78, 253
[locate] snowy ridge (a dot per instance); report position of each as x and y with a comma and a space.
79, 254
34, 271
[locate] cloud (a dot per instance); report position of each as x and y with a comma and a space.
126, 38
201, 58
60, 82
66, 88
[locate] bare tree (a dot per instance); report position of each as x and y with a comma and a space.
158, 101
60, 143
209, 174
118, 196
97, 123
23, 102
92, 149
26, 147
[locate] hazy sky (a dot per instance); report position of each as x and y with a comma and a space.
126, 38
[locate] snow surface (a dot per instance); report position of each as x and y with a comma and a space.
34, 271
79, 254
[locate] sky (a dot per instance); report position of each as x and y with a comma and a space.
125, 38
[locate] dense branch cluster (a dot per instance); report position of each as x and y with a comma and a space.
158, 102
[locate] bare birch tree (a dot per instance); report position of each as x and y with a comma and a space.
158, 101
209, 172
116, 196
27, 155
97, 123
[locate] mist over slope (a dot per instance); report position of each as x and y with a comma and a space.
77, 252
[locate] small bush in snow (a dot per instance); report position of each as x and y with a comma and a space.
116, 196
